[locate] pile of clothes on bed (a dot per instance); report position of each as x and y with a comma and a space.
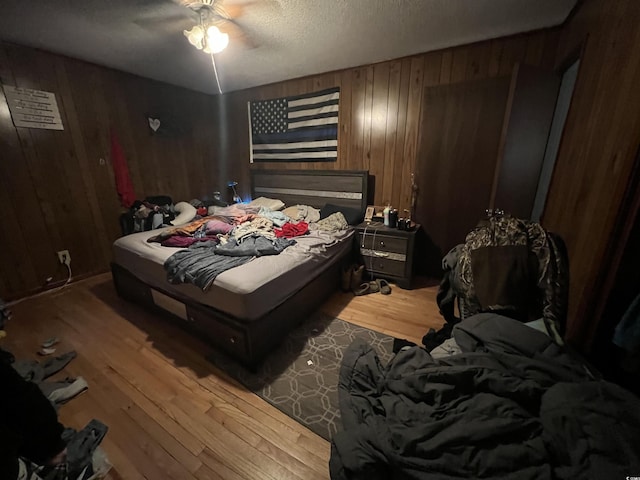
232, 236
511, 404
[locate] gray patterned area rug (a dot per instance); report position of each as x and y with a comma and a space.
300, 378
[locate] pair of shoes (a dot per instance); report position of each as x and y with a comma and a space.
366, 288
374, 286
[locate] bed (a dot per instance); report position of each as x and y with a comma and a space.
250, 308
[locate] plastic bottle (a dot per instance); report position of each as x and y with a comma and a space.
393, 218
385, 212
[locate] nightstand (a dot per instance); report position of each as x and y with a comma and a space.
387, 252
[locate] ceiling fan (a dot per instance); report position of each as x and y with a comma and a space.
207, 25
206, 34
214, 25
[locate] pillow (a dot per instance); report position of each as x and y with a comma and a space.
298, 213
272, 203
353, 215
187, 212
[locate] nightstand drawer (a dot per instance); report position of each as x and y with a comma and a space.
383, 243
387, 252
385, 266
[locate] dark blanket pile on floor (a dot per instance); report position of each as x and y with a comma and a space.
513, 405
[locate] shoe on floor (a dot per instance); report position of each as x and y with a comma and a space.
383, 286
366, 288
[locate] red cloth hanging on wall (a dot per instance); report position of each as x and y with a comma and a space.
124, 185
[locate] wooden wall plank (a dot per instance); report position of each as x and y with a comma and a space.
391, 131
356, 140
344, 124
513, 51
445, 67
420, 71
379, 107
495, 57
401, 159
459, 64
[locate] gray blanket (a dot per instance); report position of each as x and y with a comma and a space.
202, 262
513, 405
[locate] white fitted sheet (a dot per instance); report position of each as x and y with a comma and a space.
246, 292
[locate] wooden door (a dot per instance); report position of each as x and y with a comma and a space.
461, 131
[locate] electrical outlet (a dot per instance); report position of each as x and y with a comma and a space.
64, 257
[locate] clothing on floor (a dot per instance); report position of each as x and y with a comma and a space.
29, 424
82, 461
57, 392
34, 371
433, 339
82, 445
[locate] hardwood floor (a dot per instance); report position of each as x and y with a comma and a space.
171, 414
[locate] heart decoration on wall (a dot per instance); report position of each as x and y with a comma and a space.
154, 124
163, 123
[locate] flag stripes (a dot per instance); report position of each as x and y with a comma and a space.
302, 128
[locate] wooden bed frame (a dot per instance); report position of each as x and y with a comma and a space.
244, 340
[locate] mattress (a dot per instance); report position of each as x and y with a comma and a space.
246, 292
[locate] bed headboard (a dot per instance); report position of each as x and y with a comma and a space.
347, 188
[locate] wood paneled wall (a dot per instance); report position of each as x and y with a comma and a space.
598, 148
56, 193
384, 126
381, 107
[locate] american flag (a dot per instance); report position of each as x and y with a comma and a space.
303, 128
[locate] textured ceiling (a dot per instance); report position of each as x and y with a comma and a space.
294, 38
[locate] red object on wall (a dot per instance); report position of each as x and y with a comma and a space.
124, 186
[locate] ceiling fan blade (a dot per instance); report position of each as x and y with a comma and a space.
169, 24
237, 34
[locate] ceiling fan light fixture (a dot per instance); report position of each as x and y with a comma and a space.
216, 40
195, 36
